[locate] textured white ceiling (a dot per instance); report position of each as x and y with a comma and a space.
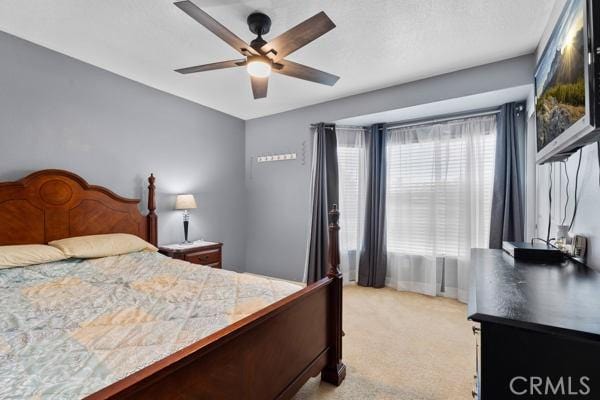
377, 43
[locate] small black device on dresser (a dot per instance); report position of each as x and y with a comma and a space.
198, 252
533, 252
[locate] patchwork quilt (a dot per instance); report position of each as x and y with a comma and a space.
70, 328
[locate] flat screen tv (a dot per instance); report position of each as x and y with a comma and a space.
565, 83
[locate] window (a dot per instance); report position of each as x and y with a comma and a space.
349, 186
439, 186
352, 181
439, 182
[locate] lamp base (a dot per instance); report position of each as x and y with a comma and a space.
186, 223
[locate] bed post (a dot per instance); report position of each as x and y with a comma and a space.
152, 218
335, 371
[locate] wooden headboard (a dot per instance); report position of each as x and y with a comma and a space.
54, 204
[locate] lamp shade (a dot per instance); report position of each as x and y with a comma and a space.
185, 202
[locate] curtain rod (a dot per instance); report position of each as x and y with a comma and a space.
416, 122
347, 127
327, 125
422, 121
351, 127
440, 118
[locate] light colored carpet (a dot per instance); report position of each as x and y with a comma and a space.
403, 346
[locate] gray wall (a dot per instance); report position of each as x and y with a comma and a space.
278, 193
57, 112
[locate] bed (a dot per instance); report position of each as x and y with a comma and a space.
142, 325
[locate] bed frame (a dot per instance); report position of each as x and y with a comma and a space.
268, 355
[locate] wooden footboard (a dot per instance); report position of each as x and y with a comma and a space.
267, 355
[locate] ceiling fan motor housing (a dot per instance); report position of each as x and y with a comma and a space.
259, 23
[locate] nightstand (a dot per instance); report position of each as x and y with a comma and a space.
198, 252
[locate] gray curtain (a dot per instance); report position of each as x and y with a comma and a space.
373, 257
507, 220
325, 195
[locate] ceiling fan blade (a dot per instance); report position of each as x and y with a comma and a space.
299, 36
259, 86
215, 27
300, 71
212, 66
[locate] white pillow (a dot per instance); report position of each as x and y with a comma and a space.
95, 246
29, 254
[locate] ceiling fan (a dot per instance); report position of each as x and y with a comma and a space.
261, 57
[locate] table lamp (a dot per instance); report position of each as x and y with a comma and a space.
185, 202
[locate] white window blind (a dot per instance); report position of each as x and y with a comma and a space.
439, 186
352, 181
349, 187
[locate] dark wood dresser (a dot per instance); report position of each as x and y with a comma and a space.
204, 253
539, 330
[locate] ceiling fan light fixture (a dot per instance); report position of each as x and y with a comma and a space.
259, 67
